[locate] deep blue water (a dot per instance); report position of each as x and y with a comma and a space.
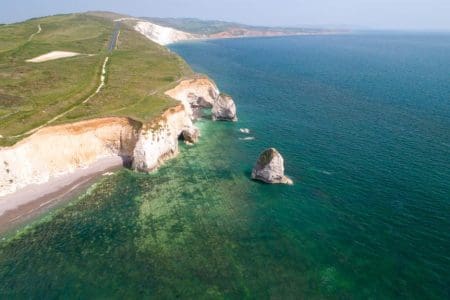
363, 122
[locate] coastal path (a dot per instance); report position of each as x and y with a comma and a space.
111, 46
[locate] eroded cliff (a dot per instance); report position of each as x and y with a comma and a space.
59, 150
158, 140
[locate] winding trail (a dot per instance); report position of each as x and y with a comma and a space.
100, 86
111, 47
36, 33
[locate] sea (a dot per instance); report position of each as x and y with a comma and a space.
363, 123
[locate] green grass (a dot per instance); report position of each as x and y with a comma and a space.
139, 72
31, 94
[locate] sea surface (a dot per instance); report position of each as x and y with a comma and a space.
363, 122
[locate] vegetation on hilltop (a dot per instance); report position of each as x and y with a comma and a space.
139, 73
107, 15
31, 94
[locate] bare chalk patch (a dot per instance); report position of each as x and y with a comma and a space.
52, 56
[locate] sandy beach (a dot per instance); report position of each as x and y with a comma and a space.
28, 202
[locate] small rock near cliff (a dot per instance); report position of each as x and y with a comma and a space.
190, 134
224, 109
198, 101
270, 168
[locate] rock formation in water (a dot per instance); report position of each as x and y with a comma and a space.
190, 135
196, 94
270, 168
199, 93
224, 109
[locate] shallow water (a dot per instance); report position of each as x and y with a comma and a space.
363, 122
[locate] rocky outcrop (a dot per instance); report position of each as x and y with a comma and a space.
270, 168
191, 135
224, 109
158, 140
202, 93
199, 92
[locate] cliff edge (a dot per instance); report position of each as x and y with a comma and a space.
58, 150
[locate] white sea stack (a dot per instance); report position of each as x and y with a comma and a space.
270, 168
224, 109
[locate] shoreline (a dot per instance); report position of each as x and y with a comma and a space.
41, 180
239, 37
20, 207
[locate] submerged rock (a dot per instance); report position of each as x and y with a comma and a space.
224, 109
270, 168
190, 134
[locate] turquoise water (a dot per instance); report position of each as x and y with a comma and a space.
363, 122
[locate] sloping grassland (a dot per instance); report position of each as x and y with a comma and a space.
31, 94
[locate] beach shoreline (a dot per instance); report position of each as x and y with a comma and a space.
18, 208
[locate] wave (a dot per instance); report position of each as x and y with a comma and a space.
322, 171
249, 138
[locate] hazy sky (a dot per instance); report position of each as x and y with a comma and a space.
375, 14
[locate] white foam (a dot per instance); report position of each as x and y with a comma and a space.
249, 138
322, 171
244, 130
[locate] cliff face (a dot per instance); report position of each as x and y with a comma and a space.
168, 31
224, 109
197, 92
58, 150
162, 35
158, 140
201, 93
62, 149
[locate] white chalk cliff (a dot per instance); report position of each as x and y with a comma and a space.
158, 140
199, 93
163, 35
58, 150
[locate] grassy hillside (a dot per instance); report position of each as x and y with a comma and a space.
139, 72
31, 94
